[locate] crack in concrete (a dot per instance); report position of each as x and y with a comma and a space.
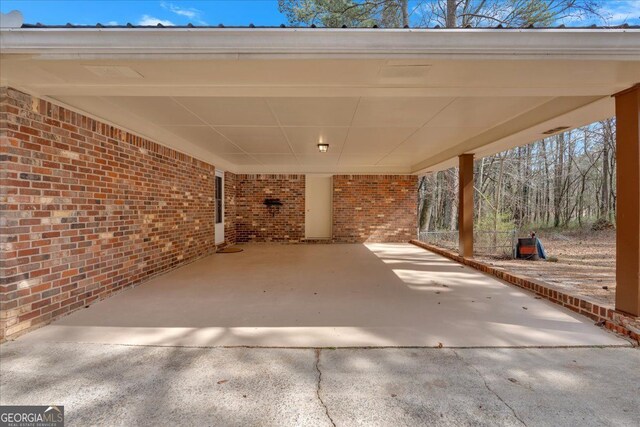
513, 411
319, 388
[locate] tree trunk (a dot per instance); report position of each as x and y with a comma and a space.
604, 198
427, 222
567, 180
454, 198
547, 197
498, 194
557, 180
480, 181
451, 14
405, 13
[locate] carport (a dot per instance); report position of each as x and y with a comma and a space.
341, 295
133, 153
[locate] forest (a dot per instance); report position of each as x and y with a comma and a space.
565, 180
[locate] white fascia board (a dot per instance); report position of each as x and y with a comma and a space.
125, 43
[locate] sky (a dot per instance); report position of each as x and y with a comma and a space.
213, 12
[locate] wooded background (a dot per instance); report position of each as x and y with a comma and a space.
564, 180
443, 13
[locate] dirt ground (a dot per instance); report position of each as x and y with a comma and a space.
585, 266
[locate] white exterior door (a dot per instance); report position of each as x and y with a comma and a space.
219, 206
318, 215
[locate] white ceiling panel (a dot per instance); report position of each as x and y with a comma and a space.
230, 111
205, 137
257, 139
398, 112
375, 140
428, 141
92, 103
267, 72
240, 159
276, 159
314, 111
162, 111
483, 111
359, 159
318, 159
408, 114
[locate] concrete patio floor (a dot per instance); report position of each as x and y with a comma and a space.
106, 384
155, 355
326, 296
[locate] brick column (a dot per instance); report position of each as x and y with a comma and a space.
628, 200
465, 206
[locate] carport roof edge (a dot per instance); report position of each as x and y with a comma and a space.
613, 53
620, 43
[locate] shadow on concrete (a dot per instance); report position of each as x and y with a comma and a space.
326, 296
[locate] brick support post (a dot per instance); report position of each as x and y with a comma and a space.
628, 201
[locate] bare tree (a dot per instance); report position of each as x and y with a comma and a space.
448, 13
564, 179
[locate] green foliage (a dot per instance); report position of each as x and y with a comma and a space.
504, 223
513, 13
397, 13
336, 13
532, 12
570, 226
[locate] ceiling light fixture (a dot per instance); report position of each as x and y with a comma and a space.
323, 148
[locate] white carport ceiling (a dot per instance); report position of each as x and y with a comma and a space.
380, 114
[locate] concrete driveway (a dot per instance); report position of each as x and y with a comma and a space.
326, 296
196, 347
118, 385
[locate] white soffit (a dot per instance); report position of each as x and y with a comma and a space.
386, 101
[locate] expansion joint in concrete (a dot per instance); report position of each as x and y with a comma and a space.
319, 388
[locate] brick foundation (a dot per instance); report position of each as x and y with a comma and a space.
255, 222
619, 322
374, 208
89, 209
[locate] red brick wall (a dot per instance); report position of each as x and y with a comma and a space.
88, 209
257, 223
366, 208
230, 188
374, 208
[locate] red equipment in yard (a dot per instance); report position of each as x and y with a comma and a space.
528, 248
